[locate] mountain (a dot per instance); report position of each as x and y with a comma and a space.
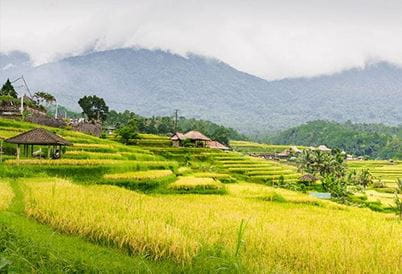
157, 82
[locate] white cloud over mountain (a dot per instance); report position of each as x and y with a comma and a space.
272, 39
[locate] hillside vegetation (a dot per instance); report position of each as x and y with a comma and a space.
107, 207
157, 82
371, 140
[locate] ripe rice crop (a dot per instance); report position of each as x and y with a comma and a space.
197, 185
92, 162
76, 154
152, 136
140, 180
139, 175
6, 195
270, 172
278, 237
62, 162
141, 156
222, 177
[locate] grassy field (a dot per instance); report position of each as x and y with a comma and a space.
148, 207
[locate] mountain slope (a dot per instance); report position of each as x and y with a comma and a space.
157, 82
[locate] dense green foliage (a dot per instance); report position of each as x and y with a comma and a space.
372, 140
166, 125
8, 90
94, 107
42, 97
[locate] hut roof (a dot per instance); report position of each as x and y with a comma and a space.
38, 136
324, 148
196, 135
216, 145
178, 136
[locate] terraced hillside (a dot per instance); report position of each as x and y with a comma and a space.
146, 208
255, 169
385, 175
384, 171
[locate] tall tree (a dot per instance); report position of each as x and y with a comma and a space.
94, 107
44, 97
8, 90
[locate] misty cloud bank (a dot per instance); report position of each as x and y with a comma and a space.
271, 39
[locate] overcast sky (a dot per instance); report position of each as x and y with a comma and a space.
272, 39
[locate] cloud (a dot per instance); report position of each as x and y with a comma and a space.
271, 39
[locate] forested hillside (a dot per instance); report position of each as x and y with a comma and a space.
373, 140
165, 125
156, 83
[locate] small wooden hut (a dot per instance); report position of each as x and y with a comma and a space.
177, 139
195, 137
38, 137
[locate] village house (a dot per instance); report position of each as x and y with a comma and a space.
197, 139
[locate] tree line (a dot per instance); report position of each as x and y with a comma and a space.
370, 140
129, 123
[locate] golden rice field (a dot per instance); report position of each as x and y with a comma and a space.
211, 175
84, 162
6, 195
189, 183
278, 237
139, 175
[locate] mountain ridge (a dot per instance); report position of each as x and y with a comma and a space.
157, 82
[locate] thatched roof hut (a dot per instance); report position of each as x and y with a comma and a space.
38, 136
178, 137
41, 137
216, 145
196, 136
193, 136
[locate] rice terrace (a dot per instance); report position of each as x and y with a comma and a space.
110, 207
200, 136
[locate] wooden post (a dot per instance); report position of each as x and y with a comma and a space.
48, 152
32, 150
18, 151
